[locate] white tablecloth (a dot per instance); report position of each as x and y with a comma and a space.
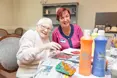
52, 73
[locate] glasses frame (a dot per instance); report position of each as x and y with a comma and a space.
46, 28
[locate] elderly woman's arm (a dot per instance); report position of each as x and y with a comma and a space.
27, 51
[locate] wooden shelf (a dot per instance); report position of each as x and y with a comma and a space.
55, 14
49, 14
111, 32
49, 10
61, 4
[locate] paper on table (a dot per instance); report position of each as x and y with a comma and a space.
47, 68
70, 51
67, 57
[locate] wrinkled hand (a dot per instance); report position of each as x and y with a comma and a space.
54, 52
53, 46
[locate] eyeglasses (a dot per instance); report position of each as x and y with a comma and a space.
45, 28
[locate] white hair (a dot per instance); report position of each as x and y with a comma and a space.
45, 21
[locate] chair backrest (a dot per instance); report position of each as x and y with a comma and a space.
10, 35
19, 31
9, 46
3, 32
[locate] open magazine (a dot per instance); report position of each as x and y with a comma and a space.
47, 69
67, 57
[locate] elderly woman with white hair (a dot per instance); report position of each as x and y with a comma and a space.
35, 47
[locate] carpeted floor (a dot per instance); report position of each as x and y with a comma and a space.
1, 76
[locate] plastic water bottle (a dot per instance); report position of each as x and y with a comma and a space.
94, 35
99, 61
85, 54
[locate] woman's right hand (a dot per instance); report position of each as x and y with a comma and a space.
53, 46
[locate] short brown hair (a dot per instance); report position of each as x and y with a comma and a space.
60, 11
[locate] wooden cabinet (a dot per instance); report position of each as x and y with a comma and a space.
49, 10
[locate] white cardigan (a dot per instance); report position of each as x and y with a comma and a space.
26, 57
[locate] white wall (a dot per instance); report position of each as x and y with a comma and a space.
61, 1
25, 13
88, 9
6, 13
30, 11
